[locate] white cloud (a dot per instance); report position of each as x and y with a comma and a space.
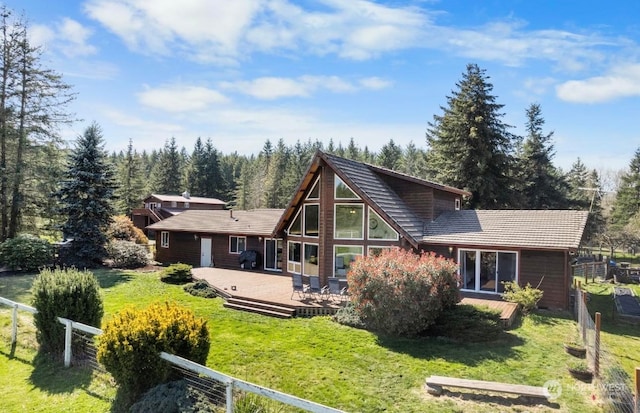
621, 81
269, 88
179, 98
66, 36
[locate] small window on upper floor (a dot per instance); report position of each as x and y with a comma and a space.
315, 190
342, 190
457, 204
186, 205
174, 204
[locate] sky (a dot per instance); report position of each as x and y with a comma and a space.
244, 71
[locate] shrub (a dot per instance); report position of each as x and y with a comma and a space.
401, 293
466, 323
526, 297
173, 397
177, 273
127, 254
68, 293
122, 228
26, 252
132, 341
201, 289
348, 316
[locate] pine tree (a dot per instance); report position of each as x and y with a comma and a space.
167, 171
627, 202
579, 194
540, 184
86, 199
469, 145
390, 156
131, 189
413, 162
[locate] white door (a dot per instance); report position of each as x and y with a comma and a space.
205, 252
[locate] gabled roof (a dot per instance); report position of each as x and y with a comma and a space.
366, 181
191, 199
253, 222
539, 229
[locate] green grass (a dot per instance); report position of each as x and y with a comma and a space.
314, 358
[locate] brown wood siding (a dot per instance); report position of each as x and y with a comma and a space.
201, 206
444, 201
417, 197
552, 265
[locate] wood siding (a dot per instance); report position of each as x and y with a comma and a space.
444, 201
551, 265
417, 197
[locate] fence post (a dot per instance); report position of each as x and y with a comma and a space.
14, 325
67, 342
586, 273
229, 396
583, 311
596, 357
636, 407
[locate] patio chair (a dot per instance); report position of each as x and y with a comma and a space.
315, 289
298, 286
336, 291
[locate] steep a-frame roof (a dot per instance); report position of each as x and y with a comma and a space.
539, 229
366, 181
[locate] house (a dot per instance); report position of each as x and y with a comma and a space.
158, 207
206, 238
343, 209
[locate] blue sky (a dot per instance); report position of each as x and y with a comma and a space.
243, 71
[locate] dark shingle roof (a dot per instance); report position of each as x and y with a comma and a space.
191, 199
253, 222
544, 229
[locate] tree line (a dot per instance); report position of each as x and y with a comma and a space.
468, 145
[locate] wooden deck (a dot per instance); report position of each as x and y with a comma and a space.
273, 287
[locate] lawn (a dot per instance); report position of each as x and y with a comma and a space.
313, 358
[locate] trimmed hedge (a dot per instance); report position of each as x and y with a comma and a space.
67, 293
26, 253
400, 293
177, 273
132, 341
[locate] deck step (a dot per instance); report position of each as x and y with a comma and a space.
249, 305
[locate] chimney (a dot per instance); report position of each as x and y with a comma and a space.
186, 194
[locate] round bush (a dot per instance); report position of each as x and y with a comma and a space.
122, 228
26, 253
70, 294
400, 293
177, 273
132, 341
201, 289
173, 397
127, 254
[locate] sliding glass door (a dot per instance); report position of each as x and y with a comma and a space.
486, 271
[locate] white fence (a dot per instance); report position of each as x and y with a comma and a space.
230, 383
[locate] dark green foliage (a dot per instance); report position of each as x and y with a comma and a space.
349, 316
132, 341
173, 397
127, 254
205, 174
86, 198
201, 289
177, 273
131, 178
526, 297
627, 202
26, 253
469, 145
467, 324
390, 156
70, 294
168, 170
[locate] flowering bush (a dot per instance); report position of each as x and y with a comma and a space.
401, 293
122, 228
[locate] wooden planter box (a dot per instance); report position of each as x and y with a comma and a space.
581, 375
575, 351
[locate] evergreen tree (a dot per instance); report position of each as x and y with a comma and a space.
469, 145
353, 151
168, 170
627, 202
541, 185
390, 156
579, 195
86, 199
131, 179
596, 222
413, 162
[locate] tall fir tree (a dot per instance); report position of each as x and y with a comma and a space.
470, 146
131, 178
413, 162
540, 184
86, 197
627, 201
167, 172
578, 194
390, 156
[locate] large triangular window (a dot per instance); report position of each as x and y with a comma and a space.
379, 229
342, 191
315, 190
296, 225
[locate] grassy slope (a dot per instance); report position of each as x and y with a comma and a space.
320, 360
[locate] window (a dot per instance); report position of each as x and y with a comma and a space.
296, 226
344, 255
457, 204
315, 190
349, 221
164, 239
342, 191
294, 264
237, 244
311, 220
186, 205
485, 271
310, 259
375, 251
174, 204
379, 229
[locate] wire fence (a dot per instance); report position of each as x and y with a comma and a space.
229, 394
614, 384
